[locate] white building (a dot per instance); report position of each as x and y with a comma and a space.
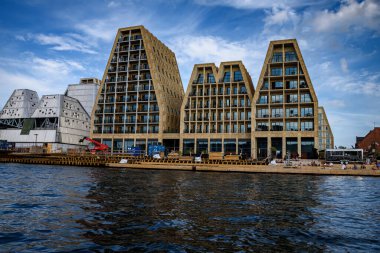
56, 122
85, 92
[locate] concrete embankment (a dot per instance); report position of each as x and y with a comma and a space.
310, 170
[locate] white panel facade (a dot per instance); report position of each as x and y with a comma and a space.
21, 104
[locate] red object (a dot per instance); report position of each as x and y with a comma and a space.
98, 146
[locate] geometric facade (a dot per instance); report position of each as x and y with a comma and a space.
85, 92
138, 102
216, 110
285, 106
325, 135
55, 119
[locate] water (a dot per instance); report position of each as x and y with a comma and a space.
74, 209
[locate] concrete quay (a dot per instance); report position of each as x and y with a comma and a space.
279, 169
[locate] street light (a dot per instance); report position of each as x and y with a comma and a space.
35, 144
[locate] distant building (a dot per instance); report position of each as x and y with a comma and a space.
141, 94
85, 92
371, 142
325, 135
216, 111
55, 121
285, 106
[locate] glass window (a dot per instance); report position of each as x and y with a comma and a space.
242, 116
277, 57
292, 98
306, 98
307, 126
303, 84
262, 126
291, 84
277, 112
216, 145
265, 86
291, 126
276, 72
277, 85
238, 76
263, 100
188, 146
290, 56
210, 78
244, 147
242, 128
200, 78
262, 113
277, 126
291, 71
117, 145
202, 146
229, 146
291, 112
226, 77
307, 112
292, 147
277, 98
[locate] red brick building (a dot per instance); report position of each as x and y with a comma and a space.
370, 141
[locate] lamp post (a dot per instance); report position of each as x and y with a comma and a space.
35, 143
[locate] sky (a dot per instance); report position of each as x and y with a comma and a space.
46, 45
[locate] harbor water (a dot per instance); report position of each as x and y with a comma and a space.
78, 209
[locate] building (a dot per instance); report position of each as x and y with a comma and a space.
56, 122
325, 135
285, 106
85, 92
371, 142
141, 94
216, 111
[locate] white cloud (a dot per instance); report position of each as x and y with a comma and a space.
63, 43
333, 103
112, 4
256, 4
352, 15
280, 15
344, 65
46, 76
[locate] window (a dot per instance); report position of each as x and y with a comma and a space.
277, 57
210, 78
292, 98
202, 146
290, 56
277, 98
291, 112
242, 115
291, 84
228, 90
307, 126
265, 86
263, 100
307, 112
277, 85
229, 146
277, 126
291, 71
291, 126
243, 90
188, 146
262, 113
238, 76
235, 90
216, 145
227, 77
303, 84
276, 72
276, 112
242, 102
262, 126
306, 98
242, 128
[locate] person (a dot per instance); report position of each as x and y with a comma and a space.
343, 165
355, 167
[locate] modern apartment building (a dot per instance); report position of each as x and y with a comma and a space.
141, 93
285, 106
216, 110
325, 135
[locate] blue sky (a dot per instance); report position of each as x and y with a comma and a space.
45, 45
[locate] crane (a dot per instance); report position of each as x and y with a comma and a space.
96, 146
